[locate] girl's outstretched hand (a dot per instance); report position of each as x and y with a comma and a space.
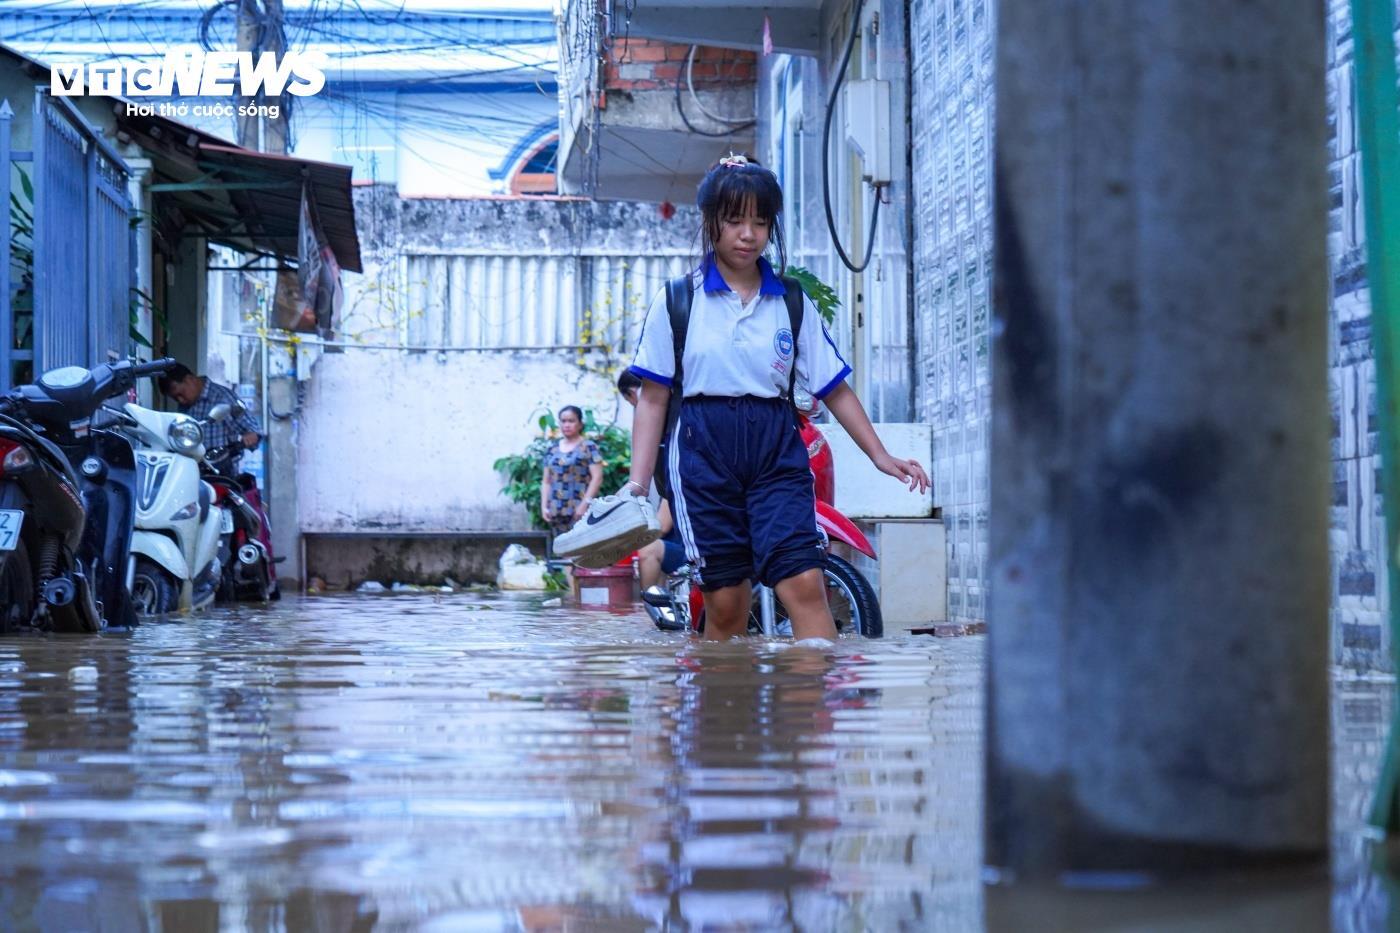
907, 471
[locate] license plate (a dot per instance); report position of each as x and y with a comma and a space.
10, 520
225, 521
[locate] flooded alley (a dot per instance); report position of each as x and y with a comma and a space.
471, 762
474, 762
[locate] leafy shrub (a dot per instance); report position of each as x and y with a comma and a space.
822, 294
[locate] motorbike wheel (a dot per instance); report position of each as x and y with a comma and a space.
16, 590
153, 592
263, 588
854, 605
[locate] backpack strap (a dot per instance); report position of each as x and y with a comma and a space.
793, 299
679, 294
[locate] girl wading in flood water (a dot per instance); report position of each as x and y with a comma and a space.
740, 482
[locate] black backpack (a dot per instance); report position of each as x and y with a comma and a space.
679, 292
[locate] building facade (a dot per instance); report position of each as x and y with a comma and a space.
927, 306
473, 318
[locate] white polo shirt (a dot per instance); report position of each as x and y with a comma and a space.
733, 349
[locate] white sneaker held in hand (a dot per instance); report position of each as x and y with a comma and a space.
613, 527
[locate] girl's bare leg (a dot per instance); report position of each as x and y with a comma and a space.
727, 611
804, 597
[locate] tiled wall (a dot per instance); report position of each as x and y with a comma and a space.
952, 68
952, 78
1360, 599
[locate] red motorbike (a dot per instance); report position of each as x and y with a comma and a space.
677, 605
249, 567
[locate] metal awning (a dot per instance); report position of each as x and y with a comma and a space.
794, 25
239, 197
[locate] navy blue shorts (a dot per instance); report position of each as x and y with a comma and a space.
742, 491
673, 558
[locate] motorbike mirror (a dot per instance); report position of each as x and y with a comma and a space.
220, 411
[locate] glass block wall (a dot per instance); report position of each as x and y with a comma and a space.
1360, 637
952, 117
952, 124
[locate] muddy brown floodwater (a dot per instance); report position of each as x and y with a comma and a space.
477, 763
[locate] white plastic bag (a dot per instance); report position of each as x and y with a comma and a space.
520, 570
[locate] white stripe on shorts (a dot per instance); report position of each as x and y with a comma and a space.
682, 516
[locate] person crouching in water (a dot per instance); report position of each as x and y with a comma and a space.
741, 486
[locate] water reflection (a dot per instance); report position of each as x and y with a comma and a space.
749, 759
413, 762
1358, 897
451, 763
1363, 888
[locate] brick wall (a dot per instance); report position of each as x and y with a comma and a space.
652, 65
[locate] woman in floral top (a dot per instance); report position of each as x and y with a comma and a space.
573, 473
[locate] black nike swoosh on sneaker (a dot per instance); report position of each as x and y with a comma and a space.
595, 519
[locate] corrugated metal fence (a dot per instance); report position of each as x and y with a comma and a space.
485, 301
81, 235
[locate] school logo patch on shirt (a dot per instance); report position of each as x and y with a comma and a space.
782, 343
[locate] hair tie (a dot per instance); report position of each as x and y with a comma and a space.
734, 161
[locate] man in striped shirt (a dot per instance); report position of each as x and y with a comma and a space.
197, 396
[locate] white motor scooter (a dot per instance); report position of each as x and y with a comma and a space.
175, 548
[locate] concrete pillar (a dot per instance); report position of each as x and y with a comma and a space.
282, 393
138, 191
1159, 573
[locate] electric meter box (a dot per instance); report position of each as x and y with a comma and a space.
867, 116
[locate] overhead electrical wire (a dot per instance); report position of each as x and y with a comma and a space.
826, 158
70, 20
727, 134
690, 84
312, 18
504, 128
207, 19
446, 39
98, 26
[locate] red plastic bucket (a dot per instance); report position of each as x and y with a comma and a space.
612, 587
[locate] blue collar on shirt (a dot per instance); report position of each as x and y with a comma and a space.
770, 284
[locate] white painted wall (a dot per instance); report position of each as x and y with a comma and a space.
910, 572
863, 491
398, 432
399, 441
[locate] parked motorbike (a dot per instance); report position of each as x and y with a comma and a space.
178, 524
65, 533
678, 605
250, 572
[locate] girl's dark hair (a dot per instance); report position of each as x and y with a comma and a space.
578, 412
727, 189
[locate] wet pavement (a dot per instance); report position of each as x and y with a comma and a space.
471, 762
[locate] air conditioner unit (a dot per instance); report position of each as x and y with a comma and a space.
866, 106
